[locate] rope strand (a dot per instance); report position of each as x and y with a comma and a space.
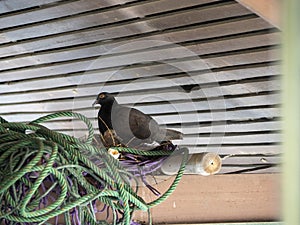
44, 174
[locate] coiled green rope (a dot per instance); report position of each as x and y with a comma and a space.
44, 174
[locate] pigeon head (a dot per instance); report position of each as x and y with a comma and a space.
104, 98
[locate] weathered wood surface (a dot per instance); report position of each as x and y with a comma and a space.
119, 35
111, 17
234, 198
207, 68
12, 6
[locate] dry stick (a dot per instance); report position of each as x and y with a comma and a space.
114, 143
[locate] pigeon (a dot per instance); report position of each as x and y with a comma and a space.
125, 126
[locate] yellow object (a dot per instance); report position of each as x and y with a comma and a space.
114, 153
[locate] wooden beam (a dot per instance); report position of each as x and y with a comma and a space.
220, 198
270, 10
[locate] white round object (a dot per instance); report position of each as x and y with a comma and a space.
206, 163
114, 153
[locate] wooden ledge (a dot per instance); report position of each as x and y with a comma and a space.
219, 198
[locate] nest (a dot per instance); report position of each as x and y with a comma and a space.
45, 174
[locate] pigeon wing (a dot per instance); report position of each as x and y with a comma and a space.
142, 125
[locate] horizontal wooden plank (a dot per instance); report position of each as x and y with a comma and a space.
237, 139
195, 138
200, 49
184, 105
118, 15
199, 16
115, 63
192, 134
57, 11
259, 169
219, 128
138, 73
15, 5
260, 149
236, 115
225, 127
108, 34
253, 57
265, 151
140, 86
193, 105
215, 199
214, 128
252, 198
254, 160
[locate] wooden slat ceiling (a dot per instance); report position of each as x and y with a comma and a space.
209, 68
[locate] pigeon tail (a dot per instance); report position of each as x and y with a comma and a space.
173, 134
168, 134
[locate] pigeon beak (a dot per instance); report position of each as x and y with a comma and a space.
95, 103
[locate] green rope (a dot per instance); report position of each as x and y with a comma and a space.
44, 174
146, 153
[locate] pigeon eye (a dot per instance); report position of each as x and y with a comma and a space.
102, 96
